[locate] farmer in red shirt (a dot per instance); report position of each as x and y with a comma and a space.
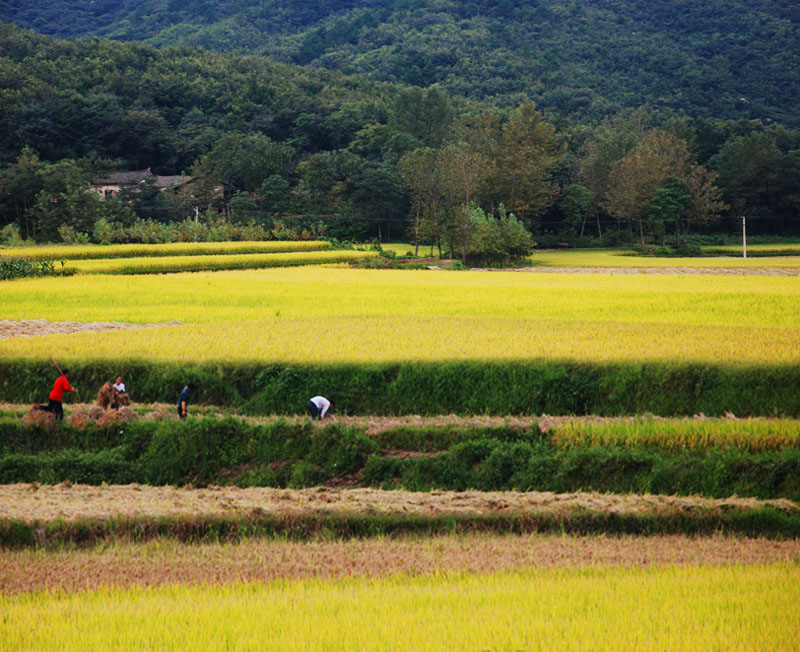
59, 387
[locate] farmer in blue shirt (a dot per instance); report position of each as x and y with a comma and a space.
184, 398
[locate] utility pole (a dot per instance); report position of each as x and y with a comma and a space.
744, 237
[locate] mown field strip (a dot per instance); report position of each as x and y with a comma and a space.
63, 502
219, 261
165, 562
77, 252
669, 608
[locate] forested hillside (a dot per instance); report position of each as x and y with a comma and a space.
727, 59
297, 151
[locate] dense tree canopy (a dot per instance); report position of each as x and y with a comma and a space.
297, 150
726, 59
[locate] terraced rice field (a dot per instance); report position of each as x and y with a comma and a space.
388, 315
456, 592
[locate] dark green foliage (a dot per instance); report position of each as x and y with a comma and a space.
305, 474
305, 152
490, 465
439, 438
726, 58
768, 522
59, 436
234, 451
503, 388
70, 465
181, 451
497, 241
22, 267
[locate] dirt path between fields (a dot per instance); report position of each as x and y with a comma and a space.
374, 425
717, 271
32, 327
160, 563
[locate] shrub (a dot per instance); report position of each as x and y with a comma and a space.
11, 268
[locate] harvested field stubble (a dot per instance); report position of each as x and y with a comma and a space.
165, 562
52, 517
65, 502
33, 327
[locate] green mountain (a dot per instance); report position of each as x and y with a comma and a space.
728, 59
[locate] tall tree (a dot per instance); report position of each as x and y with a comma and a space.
610, 143
463, 173
634, 180
576, 202
706, 204
421, 175
19, 185
66, 200
526, 154
243, 162
668, 204
425, 114
523, 152
379, 197
748, 168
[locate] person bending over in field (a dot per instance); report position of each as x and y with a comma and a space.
184, 398
59, 387
319, 406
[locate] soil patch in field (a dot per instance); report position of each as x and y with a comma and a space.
46, 503
33, 327
715, 271
161, 562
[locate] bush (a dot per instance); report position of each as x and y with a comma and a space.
496, 241
11, 268
305, 474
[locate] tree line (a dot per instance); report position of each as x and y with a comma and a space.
297, 151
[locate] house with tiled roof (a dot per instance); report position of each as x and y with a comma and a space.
113, 183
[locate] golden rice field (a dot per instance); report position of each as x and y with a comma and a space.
586, 608
681, 434
624, 258
206, 262
315, 314
77, 252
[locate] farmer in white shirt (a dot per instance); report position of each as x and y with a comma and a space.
119, 393
319, 406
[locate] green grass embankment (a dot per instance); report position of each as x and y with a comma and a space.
502, 388
282, 454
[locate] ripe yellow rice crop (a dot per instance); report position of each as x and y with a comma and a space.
627, 259
754, 435
77, 252
383, 315
585, 608
195, 262
397, 339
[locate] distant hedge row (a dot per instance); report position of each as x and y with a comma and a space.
281, 454
503, 388
764, 522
